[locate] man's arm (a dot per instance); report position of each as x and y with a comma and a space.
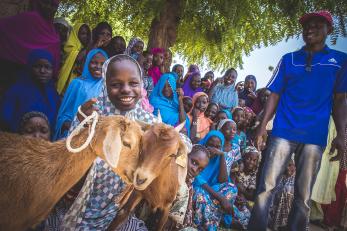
269, 111
340, 120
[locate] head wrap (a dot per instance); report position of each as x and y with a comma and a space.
131, 44
222, 122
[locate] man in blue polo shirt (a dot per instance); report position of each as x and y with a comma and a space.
307, 86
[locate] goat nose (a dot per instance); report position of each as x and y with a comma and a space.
140, 181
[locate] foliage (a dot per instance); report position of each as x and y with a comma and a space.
217, 32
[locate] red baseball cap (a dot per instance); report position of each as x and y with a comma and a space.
321, 14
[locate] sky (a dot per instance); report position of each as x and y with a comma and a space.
259, 60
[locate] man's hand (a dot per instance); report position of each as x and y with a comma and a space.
338, 144
259, 137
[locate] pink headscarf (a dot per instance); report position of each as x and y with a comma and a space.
25, 32
145, 102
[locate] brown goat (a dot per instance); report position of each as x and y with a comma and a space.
158, 176
35, 174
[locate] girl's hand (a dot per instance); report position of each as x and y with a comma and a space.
195, 113
180, 92
252, 95
215, 151
87, 108
226, 206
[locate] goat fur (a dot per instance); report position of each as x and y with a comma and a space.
161, 145
35, 174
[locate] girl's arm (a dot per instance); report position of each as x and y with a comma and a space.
223, 173
225, 204
194, 127
182, 114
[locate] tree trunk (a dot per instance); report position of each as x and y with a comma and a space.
163, 30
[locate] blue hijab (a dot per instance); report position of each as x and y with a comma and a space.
169, 108
28, 95
228, 113
210, 174
80, 90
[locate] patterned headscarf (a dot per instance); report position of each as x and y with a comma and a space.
222, 122
131, 44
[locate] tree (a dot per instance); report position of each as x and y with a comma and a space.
218, 32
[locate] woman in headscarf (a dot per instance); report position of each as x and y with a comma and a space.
200, 124
135, 48
22, 33
192, 84
63, 28
248, 94
94, 209
225, 94
34, 91
78, 40
157, 68
80, 91
168, 102
214, 194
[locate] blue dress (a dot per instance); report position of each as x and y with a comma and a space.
207, 210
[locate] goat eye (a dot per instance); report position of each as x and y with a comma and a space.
126, 144
173, 155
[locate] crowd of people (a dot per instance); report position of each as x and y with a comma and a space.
54, 71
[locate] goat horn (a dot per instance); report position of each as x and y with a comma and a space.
180, 126
160, 120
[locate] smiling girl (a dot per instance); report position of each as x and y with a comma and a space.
80, 90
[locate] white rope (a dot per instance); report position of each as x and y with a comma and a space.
94, 117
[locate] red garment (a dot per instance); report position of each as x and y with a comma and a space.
333, 211
155, 73
22, 33
256, 106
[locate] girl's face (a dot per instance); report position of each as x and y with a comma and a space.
221, 116
239, 116
248, 118
37, 127
179, 71
42, 71
148, 62
214, 142
242, 102
229, 130
119, 45
105, 34
137, 48
158, 59
230, 78
201, 103
188, 104
250, 161
250, 85
95, 65
209, 76
195, 82
84, 35
197, 161
264, 96
211, 111
167, 91
123, 83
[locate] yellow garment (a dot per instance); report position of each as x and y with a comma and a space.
324, 188
71, 49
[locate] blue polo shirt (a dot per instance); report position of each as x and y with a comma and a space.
306, 94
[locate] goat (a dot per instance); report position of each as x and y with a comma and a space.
35, 174
158, 177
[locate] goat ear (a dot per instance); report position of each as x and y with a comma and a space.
182, 155
180, 126
144, 126
182, 149
112, 146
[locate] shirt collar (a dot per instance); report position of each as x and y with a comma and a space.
325, 50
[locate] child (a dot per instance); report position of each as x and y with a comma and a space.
232, 152
200, 124
178, 69
283, 199
181, 213
116, 46
145, 60
187, 103
240, 137
158, 64
241, 213
35, 124
211, 111
246, 177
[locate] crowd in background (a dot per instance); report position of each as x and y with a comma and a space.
52, 68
